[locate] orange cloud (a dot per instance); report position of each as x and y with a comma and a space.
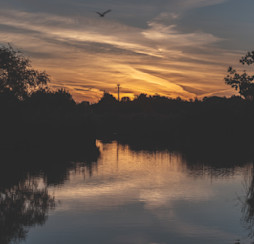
87, 55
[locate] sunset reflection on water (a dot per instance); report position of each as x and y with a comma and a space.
146, 197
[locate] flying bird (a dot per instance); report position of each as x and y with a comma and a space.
103, 14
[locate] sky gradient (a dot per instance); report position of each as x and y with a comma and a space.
166, 47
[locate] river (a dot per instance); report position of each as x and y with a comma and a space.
129, 195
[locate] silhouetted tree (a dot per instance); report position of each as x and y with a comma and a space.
107, 99
125, 99
17, 75
141, 97
242, 81
52, 99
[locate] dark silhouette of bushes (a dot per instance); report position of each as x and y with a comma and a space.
32, 114
44, 117
219, 121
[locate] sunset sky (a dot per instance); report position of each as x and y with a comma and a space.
166, 47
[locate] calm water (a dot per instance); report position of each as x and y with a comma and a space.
128, 196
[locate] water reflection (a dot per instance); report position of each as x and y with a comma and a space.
200, 158
22, 206
25, 178
248, 203
126, 194
150, 196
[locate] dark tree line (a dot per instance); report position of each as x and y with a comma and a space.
217, 121
176, 120
34, 115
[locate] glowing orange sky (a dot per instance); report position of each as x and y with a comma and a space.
162, 54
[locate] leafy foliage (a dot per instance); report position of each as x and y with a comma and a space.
242, 81
107, 99
16, 74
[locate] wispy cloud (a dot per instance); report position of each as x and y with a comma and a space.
95, 53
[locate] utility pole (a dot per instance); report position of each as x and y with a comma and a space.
118, 92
